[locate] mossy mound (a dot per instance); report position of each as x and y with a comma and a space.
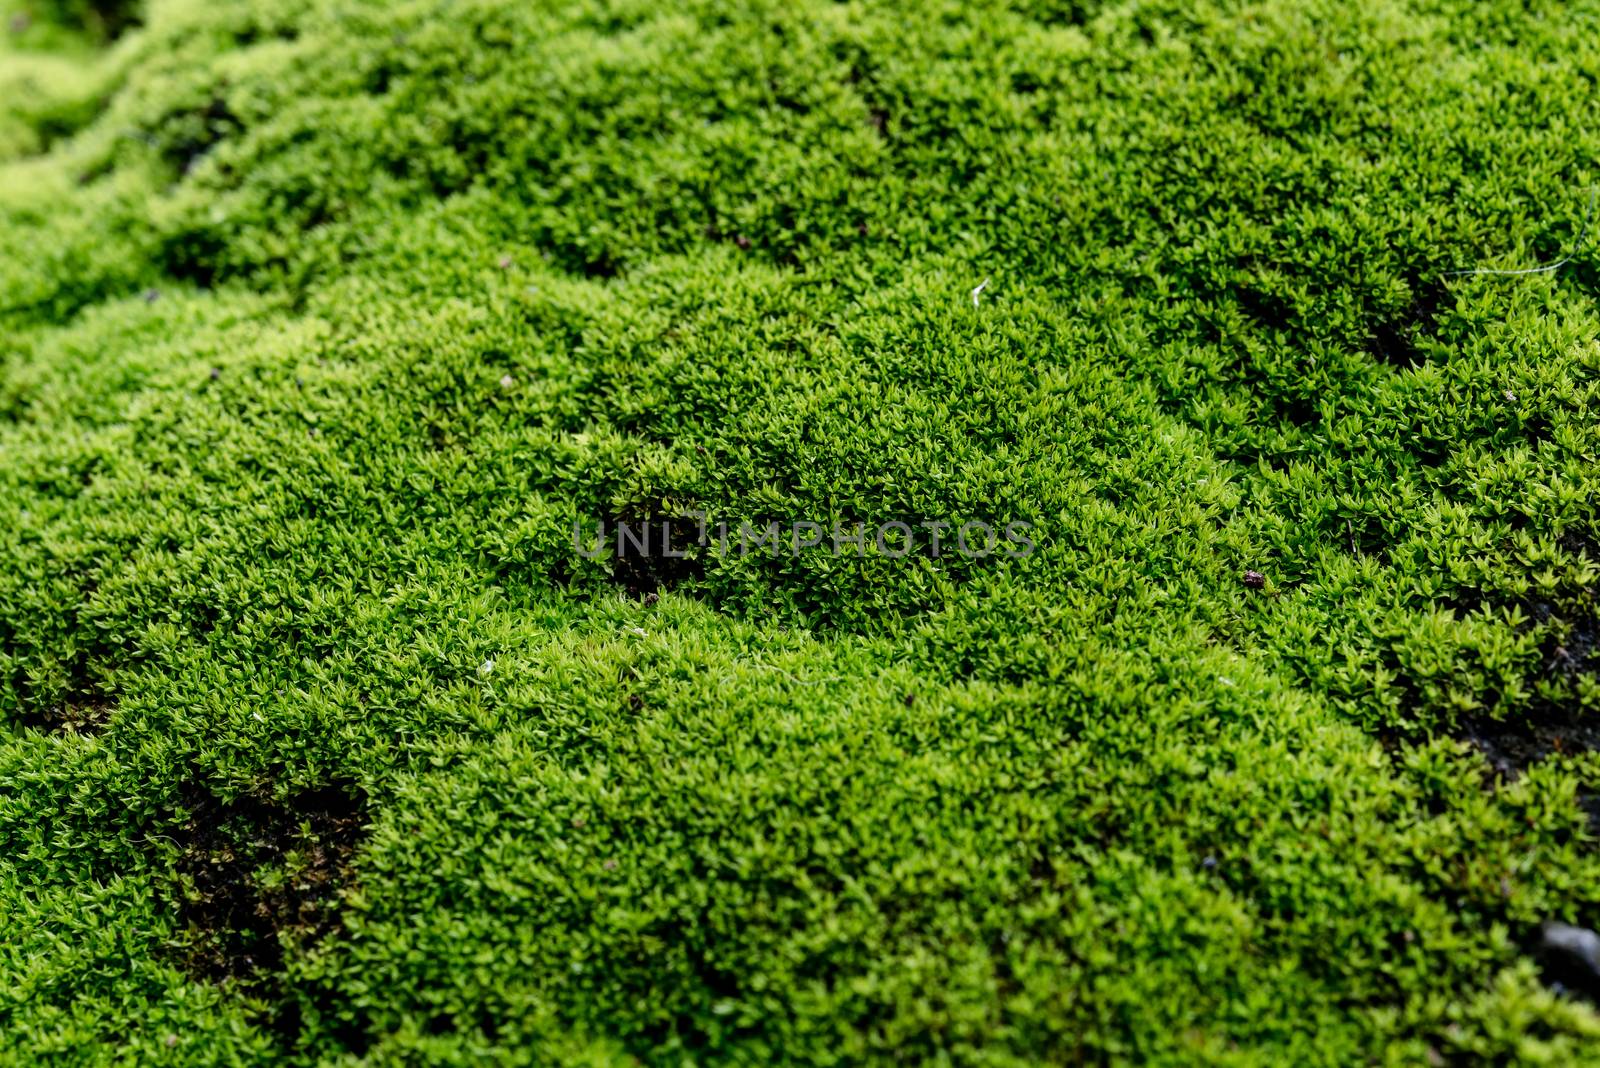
324, 323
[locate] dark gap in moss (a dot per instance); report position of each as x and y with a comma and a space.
695, 960
577, 258
1301, 412
1268, 309
97, 170
1512, 746
1393, 342
1274, 317
1586, 273
1537, 430
785, 100
192, 257
258, 867
1025, 83
644, 548
311, 207
1571, 653
53, 129
259, 872
1579, 542
861, 77
78, 700
1430, 452
1548, 727
257, 33
1060, 14
1571, 614
101, 20
878, 119
78, 713
1466, 601
1396, 337
186, 137
601, 265
14, 402
1361, 535
288, 1020
440, 438
379, 80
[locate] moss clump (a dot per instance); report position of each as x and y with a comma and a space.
322, 323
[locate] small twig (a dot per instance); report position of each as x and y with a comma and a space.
1577, 247
979, 289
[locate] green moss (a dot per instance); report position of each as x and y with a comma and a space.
321, 323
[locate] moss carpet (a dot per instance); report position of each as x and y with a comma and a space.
325, 325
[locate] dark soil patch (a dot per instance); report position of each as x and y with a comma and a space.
81, 714
261, 872
81, 703
1266, 309
1511, 747
1551, 726
1547, 728
1396, 338
651, 553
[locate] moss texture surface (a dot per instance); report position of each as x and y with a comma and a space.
322, 322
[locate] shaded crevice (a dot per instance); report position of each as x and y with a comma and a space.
102, 21
188, 136
257, 868
259, 874
1060, 14
1548, 728
1510, 747
651, 551
75, 697
1396, 337
79, 713
1266, 309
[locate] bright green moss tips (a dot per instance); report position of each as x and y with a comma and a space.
324, 324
